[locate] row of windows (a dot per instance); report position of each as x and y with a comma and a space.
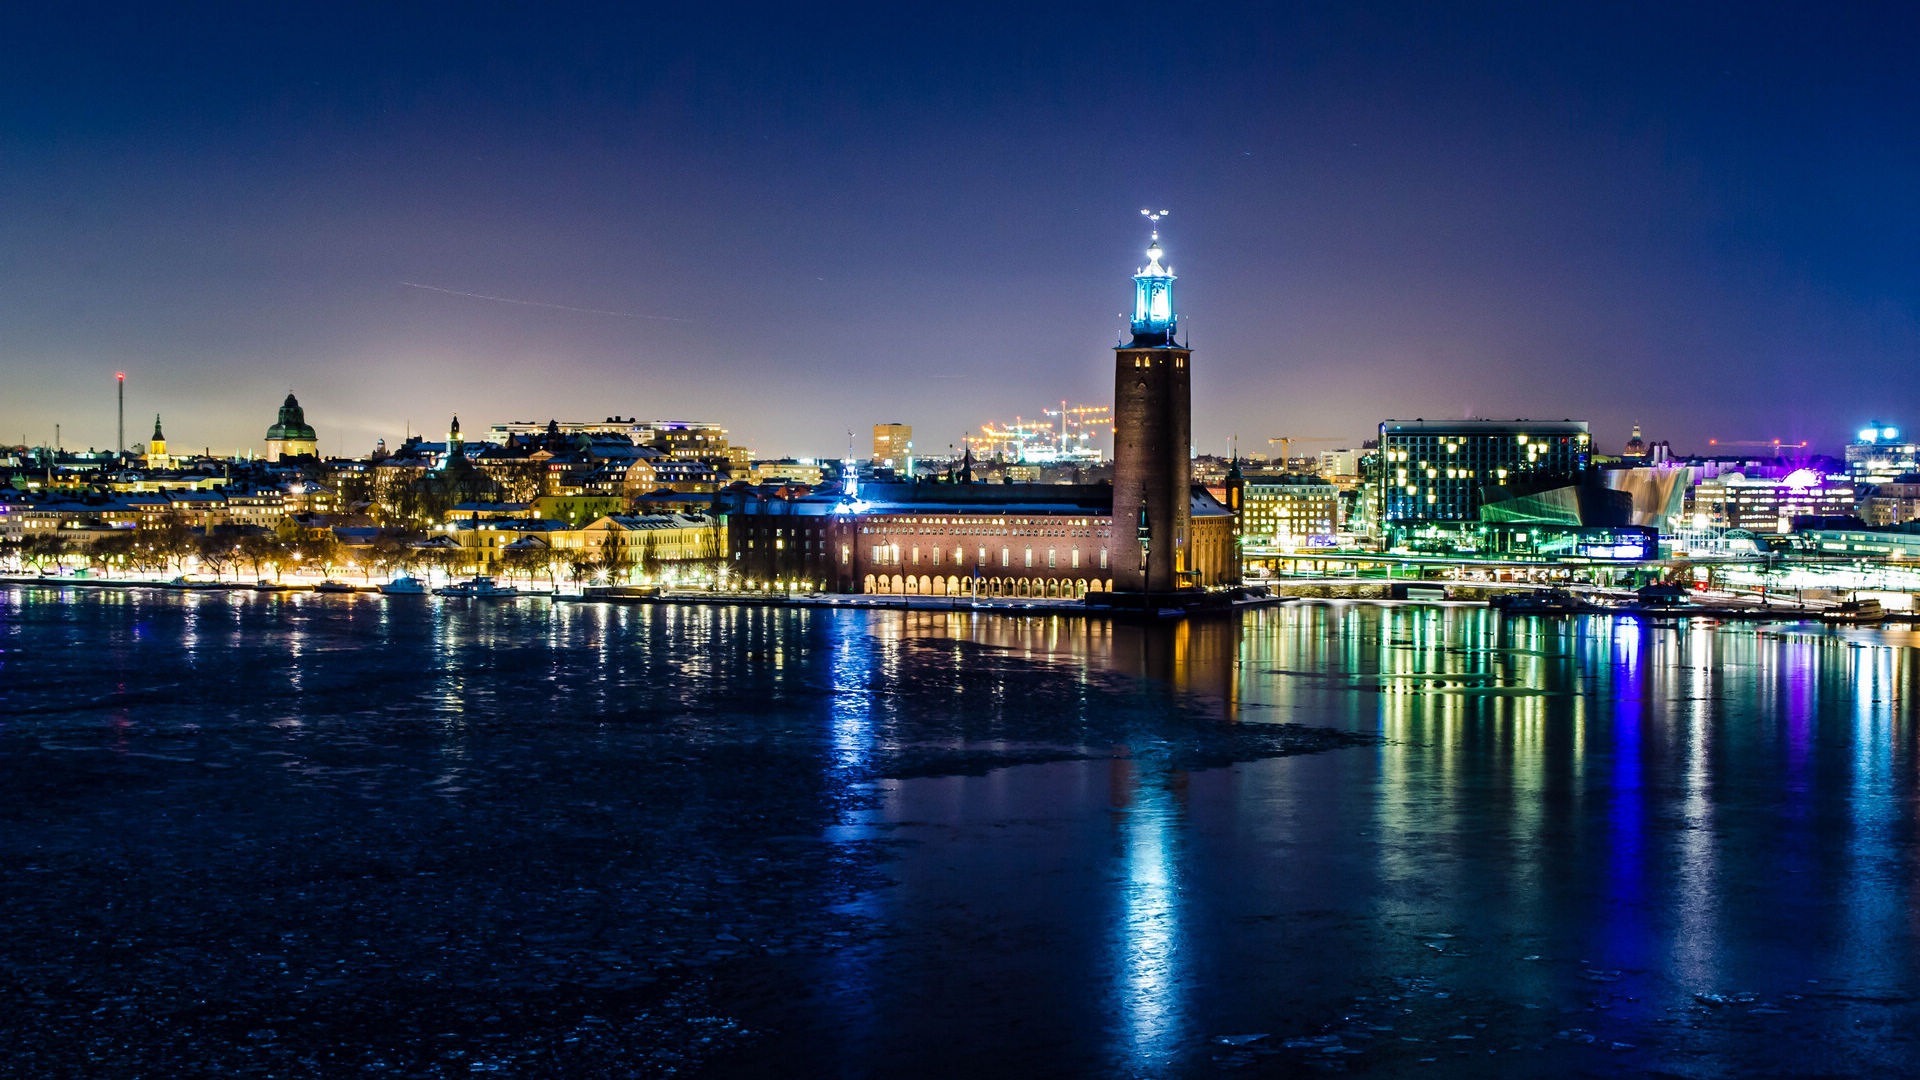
934, 528
892, 555
1082, 522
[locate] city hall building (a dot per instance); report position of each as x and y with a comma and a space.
1151, 534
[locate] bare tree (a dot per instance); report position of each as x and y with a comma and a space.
111, 550
324, 551
580, 565
650, 560
216, 553
43, 551
612, 558
524, 558
259, 550
173, 541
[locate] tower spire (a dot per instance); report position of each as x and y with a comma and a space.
849, 473
1154, 319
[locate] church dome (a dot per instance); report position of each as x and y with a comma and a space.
293, 422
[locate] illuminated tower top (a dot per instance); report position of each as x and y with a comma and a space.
1154, 320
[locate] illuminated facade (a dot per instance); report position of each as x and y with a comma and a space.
649, 547
1768, 506
964, 540
1882, 455
1891, 504
1289, 512
1441, 470
1049, 540
893, 446
686, 440
788, 471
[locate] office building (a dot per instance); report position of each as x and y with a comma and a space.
893, 447
1881, 454
1445, 470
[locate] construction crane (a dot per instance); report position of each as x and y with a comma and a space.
1286, 442
1771, 444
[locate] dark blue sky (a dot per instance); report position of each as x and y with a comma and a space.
1699, 217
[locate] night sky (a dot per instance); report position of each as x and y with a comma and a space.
798, 220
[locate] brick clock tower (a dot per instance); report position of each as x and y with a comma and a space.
1152, 437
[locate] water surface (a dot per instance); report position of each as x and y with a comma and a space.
298, 835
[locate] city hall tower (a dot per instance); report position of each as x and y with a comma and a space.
1152, 436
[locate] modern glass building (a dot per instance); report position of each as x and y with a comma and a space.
1441, 470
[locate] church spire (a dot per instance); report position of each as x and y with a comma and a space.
456, 454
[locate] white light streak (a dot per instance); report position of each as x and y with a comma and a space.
541, 304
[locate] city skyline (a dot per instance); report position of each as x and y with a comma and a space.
1626, 215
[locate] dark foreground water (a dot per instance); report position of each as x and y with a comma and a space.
310, 836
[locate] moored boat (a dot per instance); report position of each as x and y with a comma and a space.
404, 586
333, 586
480, 588
1855, 611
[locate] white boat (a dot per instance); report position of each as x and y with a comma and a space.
1855, 612
480, 588
331, 585
405, 586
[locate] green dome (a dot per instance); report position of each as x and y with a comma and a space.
293, 422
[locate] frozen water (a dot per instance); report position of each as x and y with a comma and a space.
306, 836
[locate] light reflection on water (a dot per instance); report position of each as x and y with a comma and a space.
1152, 969
1615, 844
852, 709
1583, 834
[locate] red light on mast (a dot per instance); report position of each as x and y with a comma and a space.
121, 375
